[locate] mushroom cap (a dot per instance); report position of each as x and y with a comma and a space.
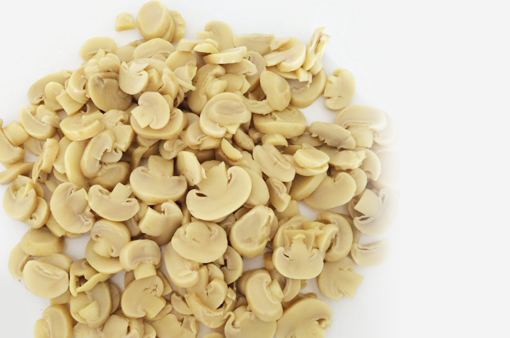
45, 280
105, 92
243, 323
143, 298
153, 111
332, 192
305, 318
337, 279
115, 206
200, 241
218, 31
251, 233
182, 272
215, 197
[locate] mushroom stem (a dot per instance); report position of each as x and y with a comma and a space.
144, 270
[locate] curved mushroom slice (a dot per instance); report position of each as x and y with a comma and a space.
154, 48
360, 177
92, 46
251, 233
21, 199
347, 159
363, 122
9, 153
279, 196
84, 331
112, 174
171, 130
223, 113
36, 93
277, 93
97, 147
200, 242
213, 318
161, 222
172, 325
332, 192
264, 295
315, 50
227, 56
303, 186
56, 322
118, 326
337, 279
370, 254
182, 272
207, 85
188, 165
115, 206
291, 211
143, 298
133, 78
371, 165
390, 170
15, 170
287, 54
141, 256
69, 105
83, 277
259, 193
92, 307
155, 183
105, 92
17, 261
45, 161
307, 317
290, 122
272, 163
82, 126
219, 32
340, 89
341, 243
375, 213
41, 242
310, 158
211, 287
153, 20
243, 323
332, 135
231, 264
70, 208
305, 95
109, 237
153, 111
39, 122
45, 280
259, 43
102, 264
220, 194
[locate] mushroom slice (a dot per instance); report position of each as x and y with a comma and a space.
211, 287
223, 113
332, 135
207, 85
45, 161
100, 144
133, 78
219, 32
154, 47
92, 46
115, 206
45, 280
17, 260
278, 195
9, 153
287, 54
277, 90
39, 122
310, 158
196, 139
41, 242
109, 237
173, 325
305, 95
155, 183
376, 213
341, 243
308, 317
84, 331
347, 159
15, 170
188, 165
170, 148
143, 298
390, 170
36, 93
153, 111
370, 254
220, 194
182, 272
298, 259
243, 140
171, 130
161, 222
315, 51
213, 318
371, 165
112, 174
141, 256
83, 277
337, 279
153, 20
264, 295
56, 322
69, 206
259, 43
92, 307
105, 92
290, 122
243, 323
362, 122
332, 192
303, 186
259, 193
251, 233
340, 89
82, 126
272, 163
102, 264
231, 264
118, 326
20, 199
200, 242
227, 56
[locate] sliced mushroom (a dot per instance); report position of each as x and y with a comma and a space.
304, 95
84, 278
375, 213
45, 161
332, 135
340, 89
223, 113
161, 222
102, 264
69, 205
264, 295
227, 56
116, 205
92, 307
174, 325
259, 193
207, 85
82, 126
183, 272
92, 46
243, 323
272, 163
36, 92
370, 254
289, 123
41, 242
371, 165
213, 318
310, 158
303, 186
278, 193
21, 199
96, 148
315, 50
200, 242
109, 237
338, 279
231, 264
133, 78
152, 110
142, 256
118, 326
188, 165
308, 317
347, 159
276, 89
154, 48
56, 322
220, 32
363, 122
143, 298
9, 154
15, 170
45, 280
153, 20
332, 192
171, 130
105, 92
112, 174
220, 194
17, 261
259, 43
287, 54
39, 122
291, 211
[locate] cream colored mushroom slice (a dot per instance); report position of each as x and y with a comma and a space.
303, 186
105, 92
348, 159
56, 322
332, 192
41, 242
390, 170
290, 287
9, 154
45, 161
296, 222
309, 157
341, 243
200, 242
109, 237
370, 254
83, 277
187, 164
272, 163
220, 194
182, 272
360, 177
179, 304
21, 199
279, 197
69, 105
259, 193
291, 211
102, 264
91, 160
389, 136
362, 122
223, 113
196, 139
287, 54
207, 85
118, 326
371, 165
332, 135
94, 45
251, 233
227, 56
212, 318
116, 205
264, 296
92, 307
338, 279
133, 78
153, 110
289, 123
231, 264
243, 140
259, 43
141, 256
170, 148
299, 259
211, 287
15, 170
339, 89
171, 130
243, 323
84, 331
220, 32
308, 317
45, 280
153, 20
376, 213
277, 90
315, 50
17, 260
174, 325
36, 92
152, 48
112, 174
82, 126
305, 95
161, 222
143, 298
58, 260
39, 122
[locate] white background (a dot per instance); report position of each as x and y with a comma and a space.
441, 68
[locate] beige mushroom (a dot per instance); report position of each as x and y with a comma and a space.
231, 264
143, 298
152, 110
264, 295
304, 95
243, 140
153, 20
223, 113
259, 43
141, 256
337, 279
118, 326
161, 222
175, 325
112, 174
92, 307
340, 89
41, 242
315, 51
187, 164
390, 170
182, 272
363, 122
291, 211
68, 104
69, 206
243, 323
340, 245
196, 139
375, 212
310, 158
39, 122
9, 153
272, 163
211, 287
220, 32
227, 56
82, 126
348, 159
105, 92
200, 242
36, 93
170, 148
72, 156
102, 264
109, 237
303, 186
277, 90
45, 280
332, 135
332, 192
116, 205
371, 165
171, 130
214, 197
21, 198
289, 123
83, 277
154, 48
84, 331
278, 194
254, 80
287, 54
133, 78
17, 261
207, 85
45, 161
180, 26
56, 322
259, 193
213, 318
308, 317
96, 148
15, 170
94, 45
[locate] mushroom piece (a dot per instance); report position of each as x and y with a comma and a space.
227, 56
259, 43
219, 32
109, 237
9, 153
92, 46
339, 89
41, 242
83, 277
97, 147
82, 126
332, 192
390, 170
341, 243
56, 322
188, 165
310, 158
170, 148
196, 139
133, 78
141, 256
174, 325
315, 50
207, 85
259, 193
92, 307
361, 180
153, 111
213, 318
305, 95
118, 326
143, 298
371, 165
211, 287
220, 194
308, 317
277, 93
155, 183
15, 170
102, 264
362, 122
105, 92
45, 280
287, 54
112, 174
73, 173
114, 206
153, 20
290, 122
251, 233
333, 135
160, 223
370, 254
36, 94
264, 295
17, 260
231, 264
278, 194
337, 279
45, 161
303, 186
272, 163
154, 48
70, 208
84, 331
347, 159
39, 122
182, 272
201, 242
21, 198
243, 323
171, 130
223, 113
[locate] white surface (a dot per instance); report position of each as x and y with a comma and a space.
439, 67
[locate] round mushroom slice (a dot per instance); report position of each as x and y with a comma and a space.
143, 298
220, 194
82, 126
299, 260
332, 192
264, 295
304, 186
213, 318
223, 113
153, 111
83, 277
17, 260
45, 280
340, 89
182, 272
153, 20
287, 54
41, 242
243, 323
20, 199
376, 213
94, 45
102, 264
272, 163
171, 130
141, 256
115, 206
337, 279
341, 243
370, 254
308, 317
160, 223
56, 322
39, 122
92, 307
105, 92
70, 208
200, 242
109, 237
305, 95
231, 264
290, 122
362, 122
133, 78
251, 233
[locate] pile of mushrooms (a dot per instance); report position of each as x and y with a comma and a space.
180, 158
